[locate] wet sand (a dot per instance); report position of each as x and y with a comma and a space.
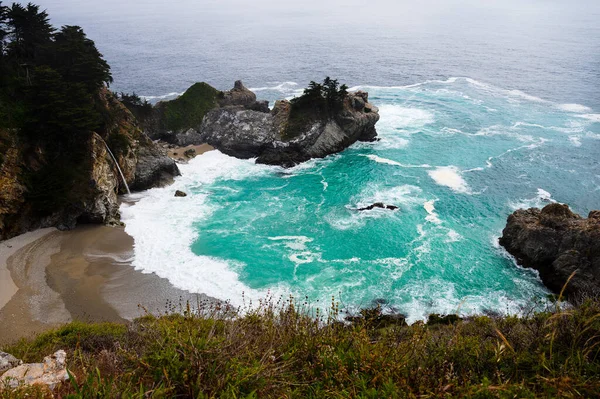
178, 153
84, 274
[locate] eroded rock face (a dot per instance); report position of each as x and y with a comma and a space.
557, 242
239, 132
142, 162
50, 373
244, 132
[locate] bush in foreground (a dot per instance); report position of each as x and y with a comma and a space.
282, 351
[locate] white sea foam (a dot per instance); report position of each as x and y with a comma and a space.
590, 117
386, 161
383, 160
431, 215
284, 87
450, 176
453, 236
575, 140
541, 199
400, 195
576, 108
294, 242
396, 117
168, 96
163, 231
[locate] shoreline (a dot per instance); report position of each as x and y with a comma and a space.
50, 277
84, 274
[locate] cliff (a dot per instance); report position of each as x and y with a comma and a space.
557, 242
43, 186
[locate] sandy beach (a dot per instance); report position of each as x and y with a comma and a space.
84, 274
50, 277
182, 154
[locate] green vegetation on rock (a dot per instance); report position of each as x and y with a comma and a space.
293, 351
319, 102
189, 109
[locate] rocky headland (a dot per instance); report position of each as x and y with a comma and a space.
557, 243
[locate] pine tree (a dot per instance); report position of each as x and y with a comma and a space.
29, 32
78, 60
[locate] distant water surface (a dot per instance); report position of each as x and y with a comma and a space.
548, 48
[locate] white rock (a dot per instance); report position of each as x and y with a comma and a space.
8, 361
51, 372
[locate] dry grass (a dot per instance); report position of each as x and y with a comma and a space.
285, 350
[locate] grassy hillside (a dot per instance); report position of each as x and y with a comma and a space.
189, 109
282, 352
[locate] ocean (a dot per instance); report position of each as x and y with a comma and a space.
486, 107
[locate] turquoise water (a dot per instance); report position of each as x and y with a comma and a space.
456, 156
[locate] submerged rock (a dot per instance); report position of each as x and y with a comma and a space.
50, 373
378, 205
180, 193
557, 242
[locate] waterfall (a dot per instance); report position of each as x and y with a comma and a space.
118, 167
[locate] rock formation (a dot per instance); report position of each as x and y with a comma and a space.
380, 205
92, 195
242, 131
237, 124
8, 361
557, 242
51, 372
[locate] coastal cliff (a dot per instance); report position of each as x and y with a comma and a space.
557, 242
43, 187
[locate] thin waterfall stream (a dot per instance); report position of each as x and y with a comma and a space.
118, 167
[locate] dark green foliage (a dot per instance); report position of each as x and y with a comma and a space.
119, 143
29, 33
77, 60
59, 110
447, 319
141, 109
49, 86
294, 351
319, 102
189, 109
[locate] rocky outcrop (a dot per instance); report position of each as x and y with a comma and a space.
8, 361
557, 242
178, 121
380, 205
29, 173
243, 132
49, 373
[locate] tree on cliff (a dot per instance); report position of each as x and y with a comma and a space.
29, 32
320, 101
49, 90
50, 79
